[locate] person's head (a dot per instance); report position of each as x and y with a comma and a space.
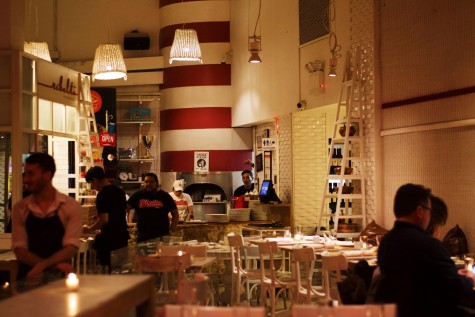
412, 204
95, 176
438, 216
39, 171
247, 178
151, 182
177, 188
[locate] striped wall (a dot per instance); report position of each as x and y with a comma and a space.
196, 98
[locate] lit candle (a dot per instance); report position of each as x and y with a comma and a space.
180, 253
72, 282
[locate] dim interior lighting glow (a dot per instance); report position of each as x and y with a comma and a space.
185, 47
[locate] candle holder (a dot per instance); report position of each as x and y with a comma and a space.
72, 282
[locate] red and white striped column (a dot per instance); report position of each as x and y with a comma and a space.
195, 112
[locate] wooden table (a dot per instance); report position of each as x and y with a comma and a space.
98, 295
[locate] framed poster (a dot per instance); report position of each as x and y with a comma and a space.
259, 166
201, 162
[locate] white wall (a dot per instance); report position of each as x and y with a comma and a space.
264, 91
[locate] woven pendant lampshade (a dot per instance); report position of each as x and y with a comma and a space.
109, 63
38, 49
185, 46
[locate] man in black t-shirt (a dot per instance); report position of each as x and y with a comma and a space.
248, 186
111, 205
152, 206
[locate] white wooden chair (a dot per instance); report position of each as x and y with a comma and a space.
303, 263
333, 264
385, 310
209, 311
240, 275
271, 284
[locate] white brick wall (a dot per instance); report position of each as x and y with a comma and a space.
362, 40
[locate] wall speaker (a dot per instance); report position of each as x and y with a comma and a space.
136, 41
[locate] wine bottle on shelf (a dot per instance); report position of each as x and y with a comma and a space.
330, 188
331, 222
350, 212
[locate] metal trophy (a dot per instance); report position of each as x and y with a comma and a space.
147, 140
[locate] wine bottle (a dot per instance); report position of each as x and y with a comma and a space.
331, 222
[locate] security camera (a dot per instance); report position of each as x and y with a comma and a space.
301, 105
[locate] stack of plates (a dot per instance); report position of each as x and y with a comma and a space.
217, 218
239, 214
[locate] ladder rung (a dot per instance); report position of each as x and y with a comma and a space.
345, 120
350, 216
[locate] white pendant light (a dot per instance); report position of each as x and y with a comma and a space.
109, 63
38, 49
185, 47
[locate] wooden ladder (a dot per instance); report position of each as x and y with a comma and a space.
346, 150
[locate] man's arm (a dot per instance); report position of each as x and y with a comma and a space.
102, 219
175, 217
39, 264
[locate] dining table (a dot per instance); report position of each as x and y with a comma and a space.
97, 295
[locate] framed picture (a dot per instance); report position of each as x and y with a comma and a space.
259, 142
259, 165
265, 133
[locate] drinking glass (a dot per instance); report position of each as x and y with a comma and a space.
333, 234
468, 258
364, 242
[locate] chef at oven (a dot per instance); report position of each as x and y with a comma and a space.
182, 200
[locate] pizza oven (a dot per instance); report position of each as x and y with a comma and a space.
209, 192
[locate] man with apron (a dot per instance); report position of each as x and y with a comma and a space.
47, 224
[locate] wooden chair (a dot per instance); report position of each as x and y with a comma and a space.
208, 311
303, 263
240, 275
271, 284
333, 264
385, 310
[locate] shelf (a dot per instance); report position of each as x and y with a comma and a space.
345, 196
338, 177
134, 122
136, 160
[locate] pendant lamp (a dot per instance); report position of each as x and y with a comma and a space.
109, 63
254, 42
185, 47
38, 49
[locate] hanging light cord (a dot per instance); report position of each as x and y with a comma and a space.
258, 17
335, 48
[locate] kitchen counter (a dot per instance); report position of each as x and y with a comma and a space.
213, 231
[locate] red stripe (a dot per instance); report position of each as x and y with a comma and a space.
195, 118
164, 3
219, 161
208, 32
197, 75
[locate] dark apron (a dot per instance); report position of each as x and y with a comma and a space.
45, 238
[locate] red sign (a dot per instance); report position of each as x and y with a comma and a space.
96, 101
107, 139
